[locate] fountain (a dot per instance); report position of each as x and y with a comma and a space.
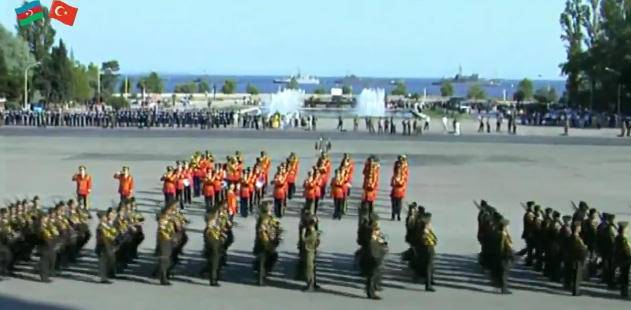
284, 105
371, 102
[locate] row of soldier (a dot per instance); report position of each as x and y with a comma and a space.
573, 248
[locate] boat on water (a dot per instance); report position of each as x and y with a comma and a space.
300, 79
460, 78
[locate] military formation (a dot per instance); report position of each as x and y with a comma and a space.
570, 249
561, 247
57, 235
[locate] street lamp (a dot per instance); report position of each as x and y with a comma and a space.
26, 82
619, 93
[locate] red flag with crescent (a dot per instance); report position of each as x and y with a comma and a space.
63, 12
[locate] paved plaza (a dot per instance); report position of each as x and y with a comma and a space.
446, 174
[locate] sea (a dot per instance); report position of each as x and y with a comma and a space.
265, 84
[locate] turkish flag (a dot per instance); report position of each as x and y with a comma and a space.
63, 12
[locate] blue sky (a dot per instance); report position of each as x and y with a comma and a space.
383, 38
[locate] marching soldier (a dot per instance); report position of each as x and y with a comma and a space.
125, 184
166, 233
6, 238
589, 234
268, 232
578, 252
84, 186
106, 235
606, 239
310, 239
529, 232
504, 259
214, 238
622, 257
48, 235
371, 255
429, 240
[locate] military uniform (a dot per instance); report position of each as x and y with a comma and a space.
166, 232
622, 258
578, 253
106, 235
214, 243
49, 238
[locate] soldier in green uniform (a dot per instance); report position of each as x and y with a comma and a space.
166, 232
429, 241
49, 236
106, 236
578, 253
622, 257
6, 234
371, 255
606, 238
502, 246
268, 232
310, 237
589, 234
214, 239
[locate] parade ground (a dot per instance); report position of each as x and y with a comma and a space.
446, 174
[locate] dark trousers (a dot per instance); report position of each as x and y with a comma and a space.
168, 199
107, 261
291, 191
338, 204
209, 203
624, 280
188, 198
197, 186
82, 200
577, 277
213, 260
429, 267
244, 206
309, 205
368, 205
46, 261
179, 196
372, 281
396, 208
278, 207
165, 251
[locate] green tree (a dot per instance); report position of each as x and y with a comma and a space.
152, 84
251, 89
55, 79
4, 76
126, 88
447, 89
346, 90
16, 51
39, 35
229, 86
519, 96
572, 19
81, 90
399, 89
109, 77
319, 91
186, 88
526, 87
117, 102
546, 95
476, 92
203, 87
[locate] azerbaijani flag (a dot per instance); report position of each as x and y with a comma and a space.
29, 12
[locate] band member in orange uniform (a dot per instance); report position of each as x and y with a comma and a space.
208, 190
84, 186
371, 184
244, 194
292, 173
125, 184
231, 200
187, 175
266, 163
399, 187
280, 191
218, 179
317, 188
309, 192
259, 183
169, 187
338, 193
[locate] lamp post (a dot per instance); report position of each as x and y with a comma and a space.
26, 82
619, 94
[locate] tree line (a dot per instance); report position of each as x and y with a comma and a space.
597, 38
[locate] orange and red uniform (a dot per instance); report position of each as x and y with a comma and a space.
399, 186
125, 184
84, 184
231, 201
170, 181
338, 188
370, 189
208, 186
280, 186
